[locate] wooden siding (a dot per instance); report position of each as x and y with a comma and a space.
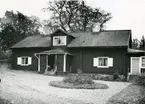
60, 63
68, 63
26, 52
42, 63
83, 59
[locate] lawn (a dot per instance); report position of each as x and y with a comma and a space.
129, 95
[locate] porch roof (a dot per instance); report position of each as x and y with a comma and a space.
55, 51
135, 51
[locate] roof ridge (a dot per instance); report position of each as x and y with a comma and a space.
100, 31
117, 30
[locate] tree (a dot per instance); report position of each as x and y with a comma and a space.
135, 43
15, 27
76, 16
142, 43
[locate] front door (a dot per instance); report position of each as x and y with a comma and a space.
135, 65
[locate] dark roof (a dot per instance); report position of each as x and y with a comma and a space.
98, 39
59, 30
55, 51
34, 41
82, 39
135, 51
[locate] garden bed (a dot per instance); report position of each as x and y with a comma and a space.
62, 84
78, 81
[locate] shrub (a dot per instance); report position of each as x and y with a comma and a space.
62, 84
107, 77
122, 78
133, 78
115, 76
102, 77
78, 79
79, 71
140, 79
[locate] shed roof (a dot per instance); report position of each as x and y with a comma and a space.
135, 51
34, 41
98, 39
55, 51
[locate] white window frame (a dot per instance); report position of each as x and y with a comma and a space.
103, 66
62, 38
96, 62
141, 61
29, 59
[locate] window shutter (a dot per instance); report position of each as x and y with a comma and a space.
19, 61
29, 60
110, 62
95, 62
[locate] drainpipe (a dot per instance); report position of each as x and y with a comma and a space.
38, 61
64, 64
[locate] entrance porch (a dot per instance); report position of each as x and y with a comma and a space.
57, 60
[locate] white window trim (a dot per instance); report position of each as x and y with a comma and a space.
97, 64
65, 41
103, 66
141, 62
21, 64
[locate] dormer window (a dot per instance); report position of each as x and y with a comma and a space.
59, 40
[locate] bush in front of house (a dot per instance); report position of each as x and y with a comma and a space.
78, 81
102, 77
138, 79
115, 76
141, 79
107, 77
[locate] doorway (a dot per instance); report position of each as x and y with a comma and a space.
135, 65
51, 62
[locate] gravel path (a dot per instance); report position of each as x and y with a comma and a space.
32, 88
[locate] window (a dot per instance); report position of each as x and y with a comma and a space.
59, 40
24, 61
143, 62
103, 62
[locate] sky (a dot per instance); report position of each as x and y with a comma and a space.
127, 14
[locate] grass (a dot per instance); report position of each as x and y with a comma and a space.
129, 95
62, 84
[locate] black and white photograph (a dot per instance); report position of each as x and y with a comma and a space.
72, 51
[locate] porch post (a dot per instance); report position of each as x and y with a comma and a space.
39, 63
64, 64
46, 63
55, 62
